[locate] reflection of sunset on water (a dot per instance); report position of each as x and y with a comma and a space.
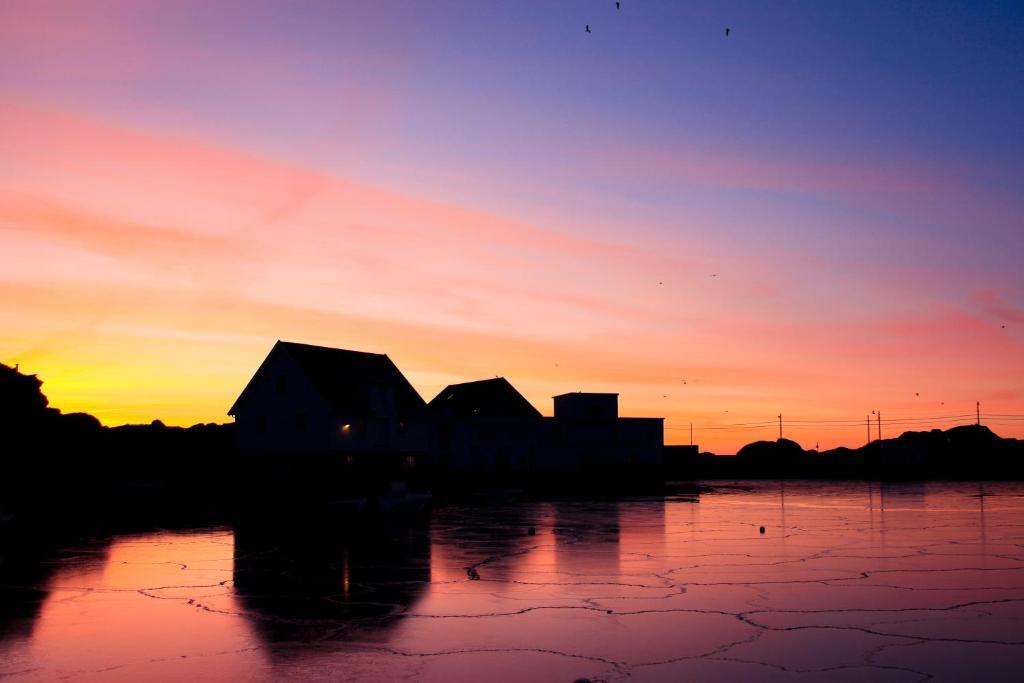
863, 578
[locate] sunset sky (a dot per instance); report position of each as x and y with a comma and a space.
820, 215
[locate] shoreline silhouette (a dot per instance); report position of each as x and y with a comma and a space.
56, 462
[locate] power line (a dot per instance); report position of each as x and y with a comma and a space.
923, 419
906, 423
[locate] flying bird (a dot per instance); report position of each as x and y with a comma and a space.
714, 274
588, 28
727, 32
1004, 327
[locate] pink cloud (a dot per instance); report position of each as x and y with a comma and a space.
994, 305
209, 253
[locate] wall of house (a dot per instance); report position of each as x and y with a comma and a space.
380, 432
525, 444
486, 443
642, 439
282, 410
604, 443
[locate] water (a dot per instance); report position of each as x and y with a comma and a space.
849, 582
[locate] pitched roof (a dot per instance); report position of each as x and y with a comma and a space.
485, 398
342, 377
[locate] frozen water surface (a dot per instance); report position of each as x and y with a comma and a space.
849, 582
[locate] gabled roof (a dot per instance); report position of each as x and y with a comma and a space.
343, 378
484, 398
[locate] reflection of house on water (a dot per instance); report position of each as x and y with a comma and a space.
304, 584
575, 542
492, 538
586, 539
603, 540
299, 585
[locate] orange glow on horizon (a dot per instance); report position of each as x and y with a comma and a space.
152, 285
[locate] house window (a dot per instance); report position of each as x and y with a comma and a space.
261, 423
300, 422
281, 383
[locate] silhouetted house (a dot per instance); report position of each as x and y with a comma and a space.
681, 461
314, 398
485, 425
588, 434
489, 426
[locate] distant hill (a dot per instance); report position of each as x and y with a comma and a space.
964, 452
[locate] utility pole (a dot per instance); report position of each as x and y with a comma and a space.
867, 419
780, 426
879, 426
977, 409
691, 433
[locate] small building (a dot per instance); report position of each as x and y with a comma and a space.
488, 426
681, 462
314, 398
588, 434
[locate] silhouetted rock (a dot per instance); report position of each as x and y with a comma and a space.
775, 458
